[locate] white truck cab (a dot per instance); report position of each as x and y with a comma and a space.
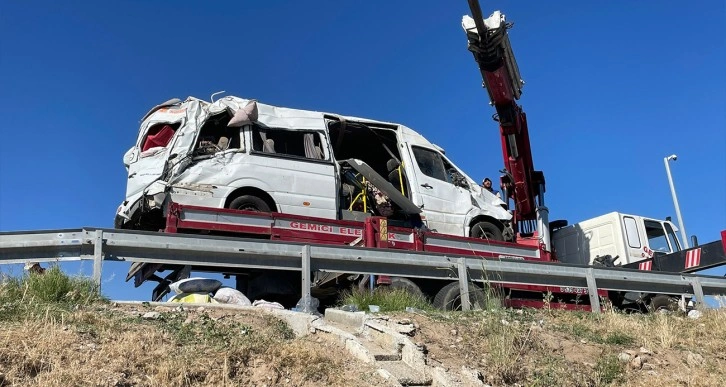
242, 154
622, 238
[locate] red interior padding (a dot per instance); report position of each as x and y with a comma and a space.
158, 137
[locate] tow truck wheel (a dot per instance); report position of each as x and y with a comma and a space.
449, 297
663, 302
486, 230
407, 285
249, 203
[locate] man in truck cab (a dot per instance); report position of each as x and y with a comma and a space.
487, 184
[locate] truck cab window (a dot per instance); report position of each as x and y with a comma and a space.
631, 231
656, 237
430, 163
672, 238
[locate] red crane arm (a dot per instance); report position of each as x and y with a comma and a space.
489, 42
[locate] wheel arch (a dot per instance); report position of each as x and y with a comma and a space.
484, 218
251, 191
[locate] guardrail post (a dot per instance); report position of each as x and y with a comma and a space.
306, 271
305, 304
97, 259
464, 285
698, 292
592, 291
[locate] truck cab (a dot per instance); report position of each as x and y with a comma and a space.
615, 238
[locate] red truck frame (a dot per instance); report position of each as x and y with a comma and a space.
374, 232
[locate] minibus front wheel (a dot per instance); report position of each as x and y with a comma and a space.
486, 230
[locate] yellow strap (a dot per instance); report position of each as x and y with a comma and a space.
350, 208
363, 195
400, 178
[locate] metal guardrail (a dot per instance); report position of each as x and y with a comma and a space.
99, 244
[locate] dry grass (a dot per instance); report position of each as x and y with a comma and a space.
65, 336
561, 348
55, 331
683, 351
97, 347
513, 352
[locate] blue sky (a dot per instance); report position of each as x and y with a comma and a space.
611, 89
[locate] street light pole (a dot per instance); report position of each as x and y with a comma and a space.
675, 199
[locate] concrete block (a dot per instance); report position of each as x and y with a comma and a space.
392, 381
351, 319
441, 378
412, 355
300, 323
383, 336
359, 351
406, 375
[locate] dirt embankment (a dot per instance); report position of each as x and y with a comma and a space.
558, 348
111, 345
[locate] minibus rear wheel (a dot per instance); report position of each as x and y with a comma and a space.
249, 203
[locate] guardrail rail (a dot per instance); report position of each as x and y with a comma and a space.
99, 244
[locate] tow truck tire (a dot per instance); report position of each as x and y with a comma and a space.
407, 285
449, 297
249, 203
486, 230
664, 302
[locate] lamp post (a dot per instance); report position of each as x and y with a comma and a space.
675, 199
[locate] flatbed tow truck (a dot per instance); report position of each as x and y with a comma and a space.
520, 183
374, 232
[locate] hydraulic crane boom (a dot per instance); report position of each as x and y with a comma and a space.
489, 42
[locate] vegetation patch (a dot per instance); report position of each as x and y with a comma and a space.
56, 330
388, 299
609, 369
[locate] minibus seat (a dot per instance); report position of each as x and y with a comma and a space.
393, 175
269, 146
312, 151
223, 143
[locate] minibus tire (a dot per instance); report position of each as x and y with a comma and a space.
249, 203
486, 230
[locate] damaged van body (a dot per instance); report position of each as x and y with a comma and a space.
241, 154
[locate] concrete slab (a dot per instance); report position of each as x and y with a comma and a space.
406, 375
351, 319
